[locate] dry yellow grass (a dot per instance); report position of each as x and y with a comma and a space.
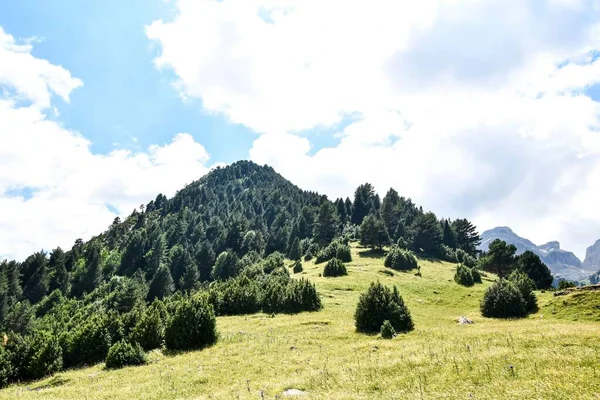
540, 357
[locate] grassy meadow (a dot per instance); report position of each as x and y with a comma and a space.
552, 354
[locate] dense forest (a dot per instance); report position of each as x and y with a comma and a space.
218, 247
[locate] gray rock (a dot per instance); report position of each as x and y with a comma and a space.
294, 392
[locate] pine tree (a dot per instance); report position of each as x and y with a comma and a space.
426, 234
162, 284
467, 237
93, 273
448, 235
59, 278
373, 232
326, 227
36, 287
205, 260
364, 197
295, 253
390, 212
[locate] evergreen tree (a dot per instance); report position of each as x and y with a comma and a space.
36, 286
448, 235
390, 212
295, 253
426, 234
180, 259
373, 232
364, 198
93, 275
499, 259
59, 277
205, 260
189, 279
466, 235
326, 226
531, 264
156, 255
227, 266
162, 284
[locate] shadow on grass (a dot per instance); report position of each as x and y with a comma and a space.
54, 382
372, 253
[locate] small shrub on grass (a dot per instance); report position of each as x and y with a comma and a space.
379, 304
297, 267
89, 343
193, 325
149, 331
336, 249
387, 330
46, 355
308, 256
476, 275
334, 267
399, 259
463, 276
122, 354
565, 284
503, 300
526, 286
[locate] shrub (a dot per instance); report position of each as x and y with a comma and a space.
503, 300
464, 258
565, 284
193, 325
402, 243
301, 295
379, 304
526, 286
399, 259
463, 276
447, 254
387, 330
122, 354
297, 267
226, 266
308, 256
336, 249
88, 344
476, 275
46, 355
272, 262
334, 267
149, 331
237, 297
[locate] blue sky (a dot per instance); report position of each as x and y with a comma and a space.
124, 96
488, 110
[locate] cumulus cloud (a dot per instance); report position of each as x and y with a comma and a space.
472, 108
53, 189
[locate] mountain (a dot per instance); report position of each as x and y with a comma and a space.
592, 257
562, 263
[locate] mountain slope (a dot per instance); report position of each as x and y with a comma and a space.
563, 264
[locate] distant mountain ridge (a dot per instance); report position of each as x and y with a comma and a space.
563, 264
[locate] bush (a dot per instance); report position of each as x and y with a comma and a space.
226, 266
237, 296
476, 275
88, 344
447, 254
463, 276
464, 258
334, 267
526, 286
399, 259
503, 300
122, 354
297, 267
387, 330
272, 262
149, 332
336, 249
379, 304
565, 284
46, 356
291, 297
308, 256
193, 325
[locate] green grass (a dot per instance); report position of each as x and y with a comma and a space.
320, 353
575, 306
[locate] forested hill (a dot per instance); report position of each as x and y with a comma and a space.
249, 211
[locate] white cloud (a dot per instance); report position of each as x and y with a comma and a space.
473, 108
53, 189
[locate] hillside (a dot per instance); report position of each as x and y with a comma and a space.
321, 354
563, 264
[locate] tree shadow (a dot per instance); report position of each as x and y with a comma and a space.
55, 381
372, 253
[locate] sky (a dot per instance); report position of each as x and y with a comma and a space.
484, 109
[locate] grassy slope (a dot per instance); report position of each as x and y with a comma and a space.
320, 352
